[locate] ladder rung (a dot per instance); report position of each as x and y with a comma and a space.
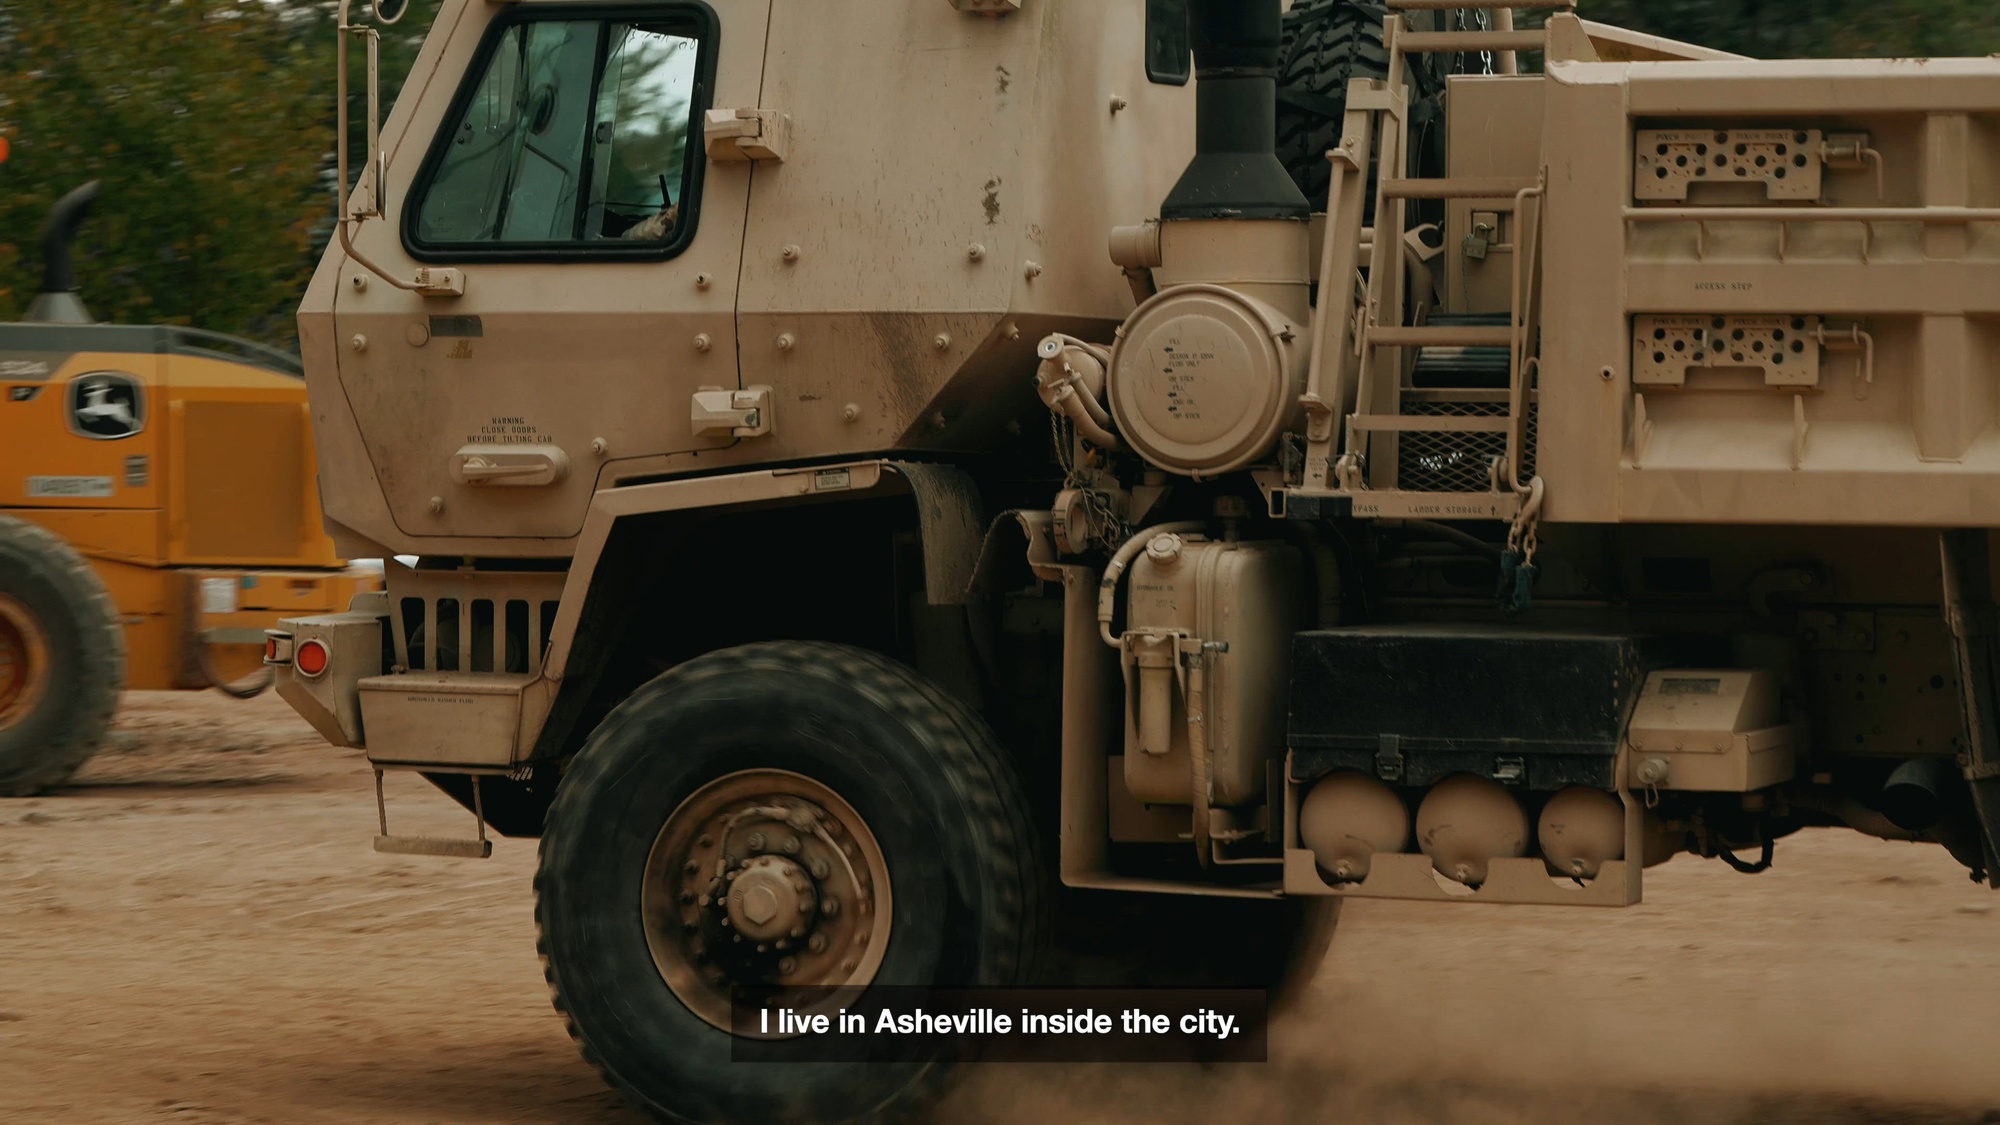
1443, 5
1432, 42
1434, 423
1470, 187
1457, 336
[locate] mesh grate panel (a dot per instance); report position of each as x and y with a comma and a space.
1428, 461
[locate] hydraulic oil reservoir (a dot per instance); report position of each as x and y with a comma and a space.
1232, 606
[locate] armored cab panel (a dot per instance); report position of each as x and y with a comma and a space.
945, 204
900, 199
531, 147
1771, 292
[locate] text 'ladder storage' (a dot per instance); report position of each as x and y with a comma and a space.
1418, 447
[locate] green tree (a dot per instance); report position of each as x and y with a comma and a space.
202, 120
211, 124
1777, 29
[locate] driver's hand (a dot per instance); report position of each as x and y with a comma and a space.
656, 227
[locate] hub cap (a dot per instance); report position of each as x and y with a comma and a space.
24, 661
765, 879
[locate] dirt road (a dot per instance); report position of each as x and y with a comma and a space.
198, 933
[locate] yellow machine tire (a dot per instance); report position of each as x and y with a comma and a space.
64, 652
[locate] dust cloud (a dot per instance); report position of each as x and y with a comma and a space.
198, 933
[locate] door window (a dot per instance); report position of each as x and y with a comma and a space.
574, 137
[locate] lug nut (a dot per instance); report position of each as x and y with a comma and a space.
820, 868
790, 846
756, 841
817, 943
788, 965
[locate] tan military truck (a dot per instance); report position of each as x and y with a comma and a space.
854, 576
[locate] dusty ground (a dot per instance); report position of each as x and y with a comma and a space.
198, 933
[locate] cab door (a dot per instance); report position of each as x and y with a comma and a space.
553, 156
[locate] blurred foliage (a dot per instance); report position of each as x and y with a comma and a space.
210, 123
1773, 29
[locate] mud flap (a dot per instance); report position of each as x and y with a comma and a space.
948, 515
1969, 611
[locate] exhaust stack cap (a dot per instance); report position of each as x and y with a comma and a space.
58, 302
1236, 173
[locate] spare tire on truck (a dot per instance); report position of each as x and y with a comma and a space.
62, 659
1326, 44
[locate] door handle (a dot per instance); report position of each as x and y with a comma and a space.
516, 465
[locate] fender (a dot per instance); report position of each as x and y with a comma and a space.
948, 516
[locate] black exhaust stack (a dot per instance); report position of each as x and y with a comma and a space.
1236, 173
58, 302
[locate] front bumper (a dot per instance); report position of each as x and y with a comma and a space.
331, 700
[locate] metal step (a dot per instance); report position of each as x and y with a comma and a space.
1441, 336
456, 848
433, 845
1413, 423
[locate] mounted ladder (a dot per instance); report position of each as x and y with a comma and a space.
1380, 439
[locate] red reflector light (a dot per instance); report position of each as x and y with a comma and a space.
270, 648
310, 658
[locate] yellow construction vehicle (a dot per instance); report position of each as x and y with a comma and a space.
158, 510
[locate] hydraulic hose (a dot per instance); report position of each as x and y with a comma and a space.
1107, 589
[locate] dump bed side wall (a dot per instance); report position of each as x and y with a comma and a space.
1906, 437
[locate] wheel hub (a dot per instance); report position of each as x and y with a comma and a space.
771, 898
24, 661
765, 879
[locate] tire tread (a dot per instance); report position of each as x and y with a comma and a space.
49, 558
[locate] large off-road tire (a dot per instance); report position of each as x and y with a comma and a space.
670, 781
1326, 43
62, 659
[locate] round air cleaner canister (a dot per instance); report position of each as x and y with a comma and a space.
1348, 817
1465, 821
1204, 379
1581, 829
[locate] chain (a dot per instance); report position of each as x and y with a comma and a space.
1480, 21
1065, 445
1107, 527
1517, 562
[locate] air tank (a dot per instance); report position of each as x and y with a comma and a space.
1348, 817
1581, 829
1464, 822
